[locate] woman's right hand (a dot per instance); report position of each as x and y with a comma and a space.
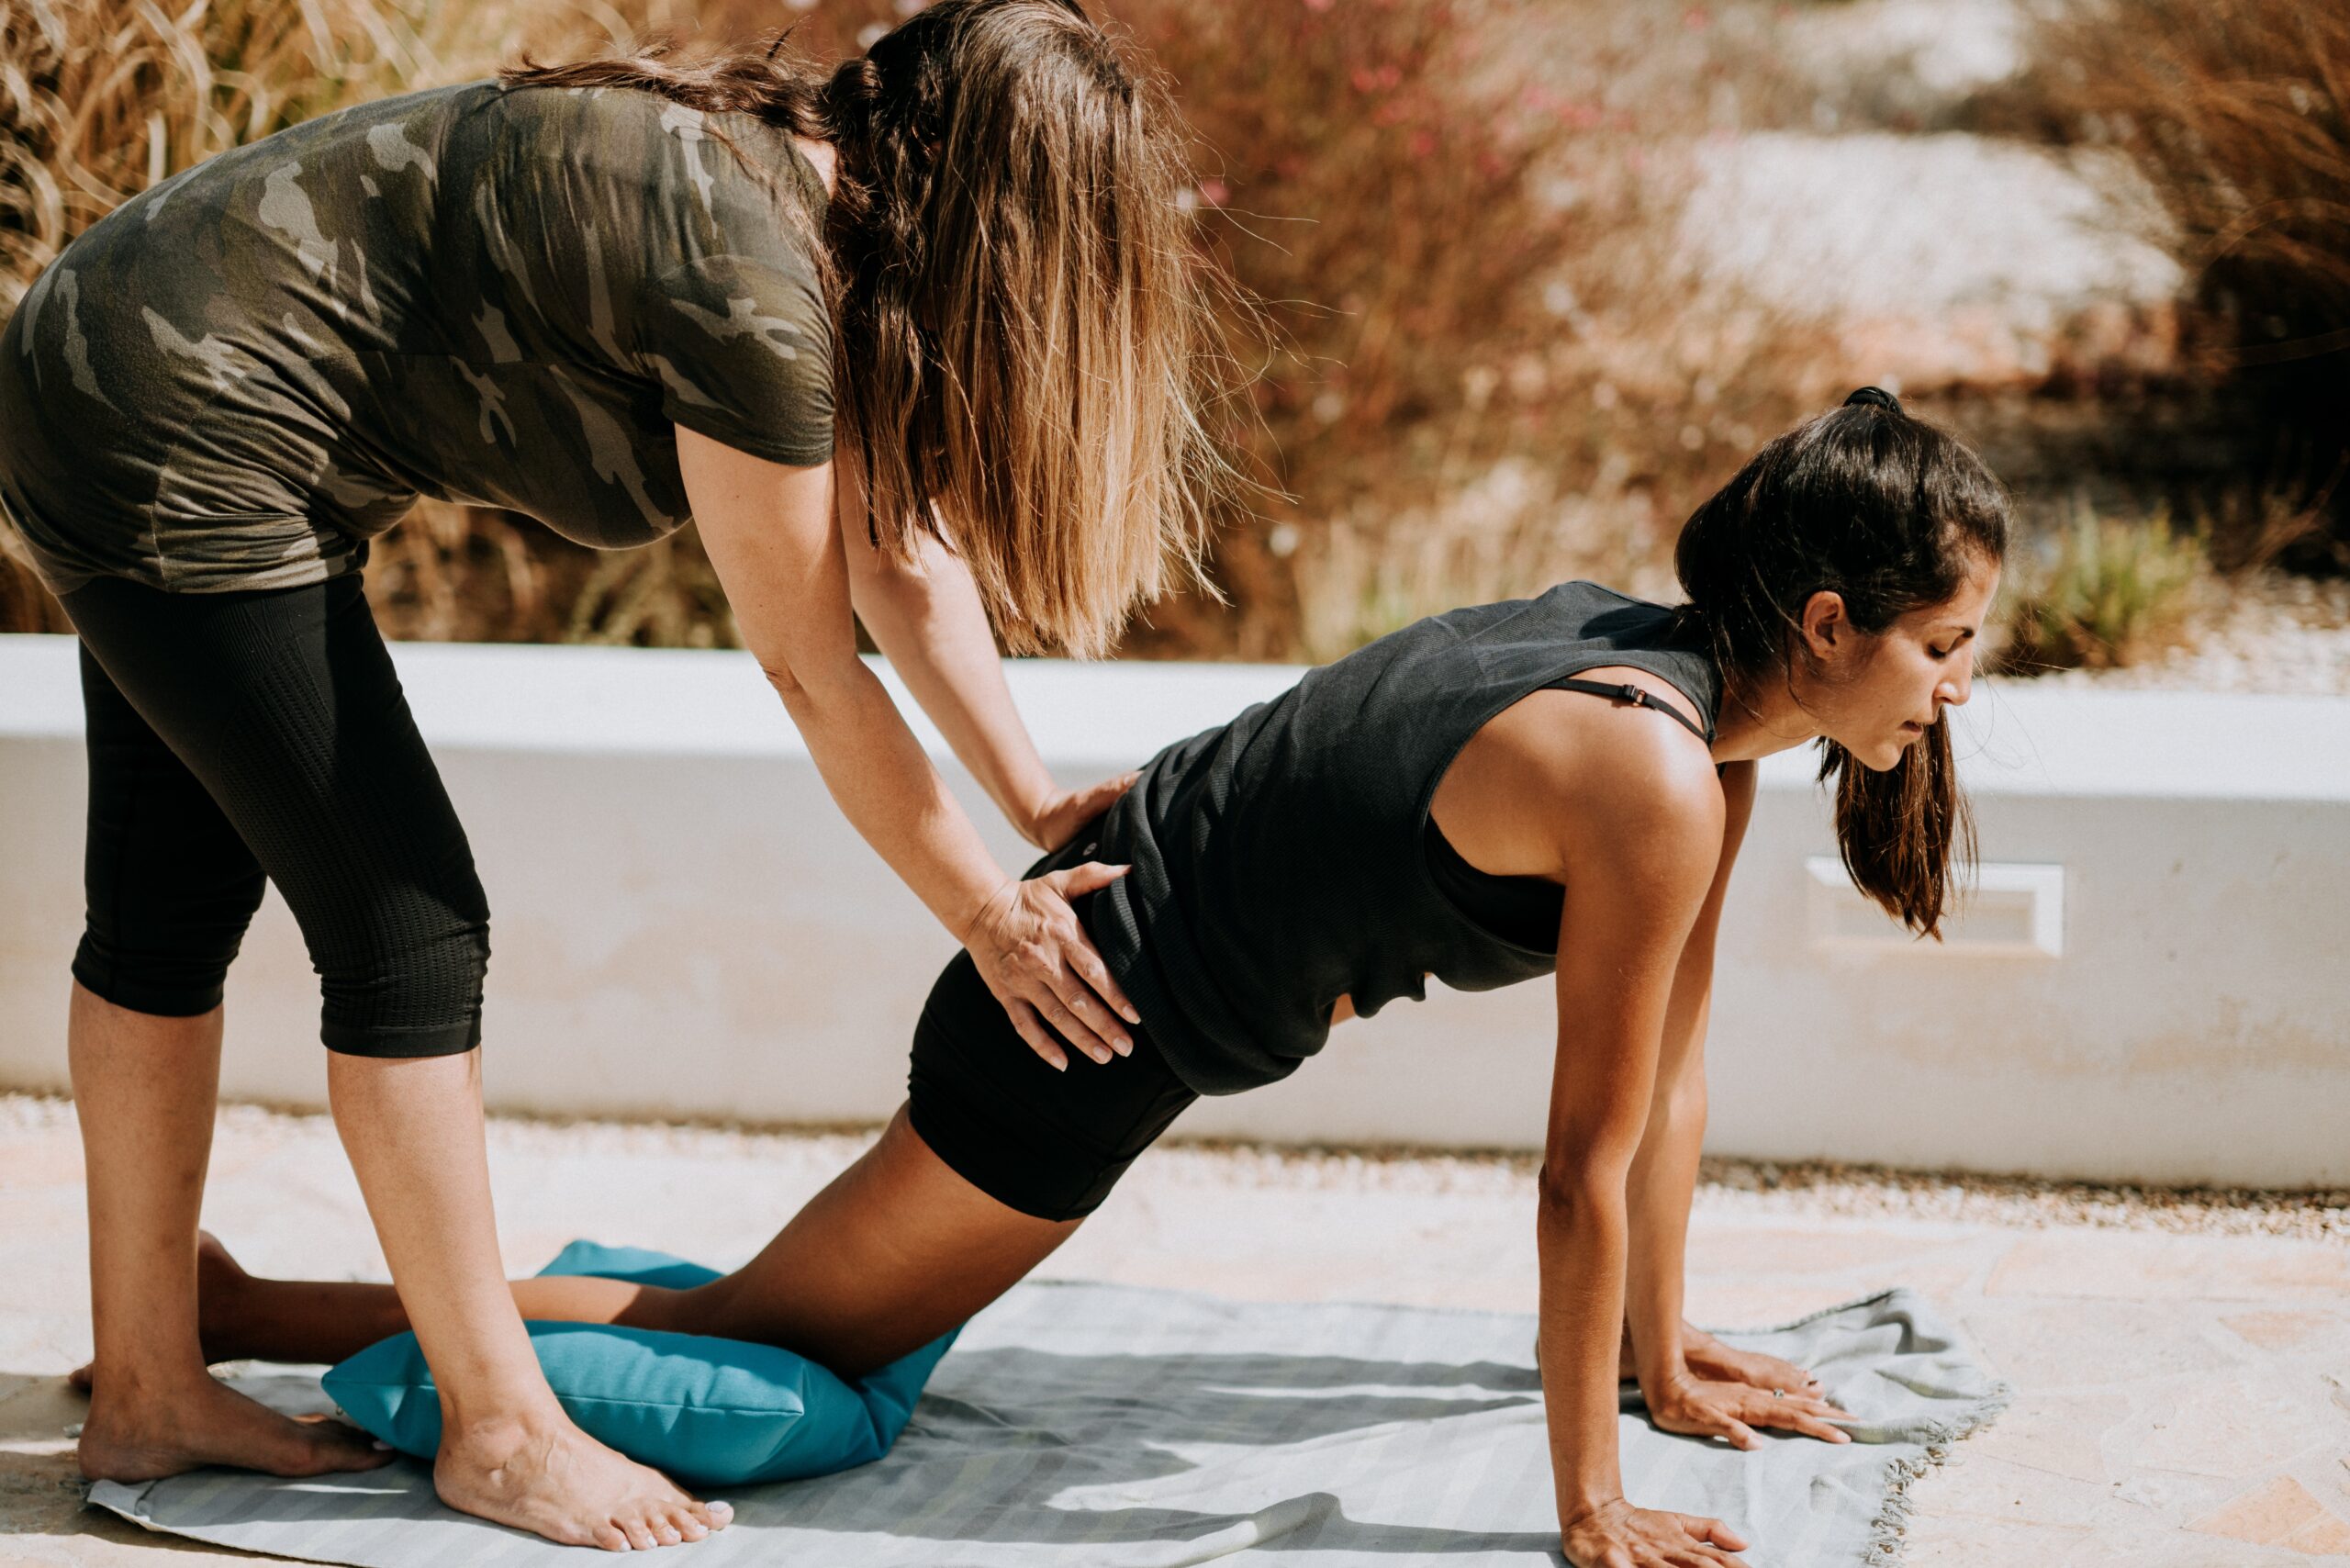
1034, 955
1618, 1535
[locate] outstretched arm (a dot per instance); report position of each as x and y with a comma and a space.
1691, 1381
770, 530
1641, 831
926, 615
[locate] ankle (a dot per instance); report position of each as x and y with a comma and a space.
147, 1381
497, 1432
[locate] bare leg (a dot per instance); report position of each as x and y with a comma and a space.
413, 1130
145, 1089
894, 1252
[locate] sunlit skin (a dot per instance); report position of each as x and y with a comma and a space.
1640, 822
1875, 696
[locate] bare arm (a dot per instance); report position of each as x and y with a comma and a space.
770, 533
926, 616
1664, 1172
1691, 1381
1641, 827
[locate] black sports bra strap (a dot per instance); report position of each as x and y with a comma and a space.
1639, 697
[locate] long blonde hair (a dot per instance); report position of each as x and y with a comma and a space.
1025, 352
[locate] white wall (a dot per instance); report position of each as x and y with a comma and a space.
683, 925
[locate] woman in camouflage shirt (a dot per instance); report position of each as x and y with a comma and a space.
612, 296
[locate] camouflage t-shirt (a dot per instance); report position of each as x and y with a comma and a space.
498, 296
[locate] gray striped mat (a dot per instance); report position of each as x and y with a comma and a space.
1084, 1425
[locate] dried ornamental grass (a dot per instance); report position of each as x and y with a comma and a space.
2237, 113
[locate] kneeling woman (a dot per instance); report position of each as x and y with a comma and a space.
1489, 795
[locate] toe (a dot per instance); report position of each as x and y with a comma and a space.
610, 1538
640, 1535
688, 1526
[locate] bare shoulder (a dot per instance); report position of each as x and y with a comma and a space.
1562, 780
1650, 793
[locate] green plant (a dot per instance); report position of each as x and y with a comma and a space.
2116, 591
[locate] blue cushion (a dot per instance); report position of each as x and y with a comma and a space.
720, 1412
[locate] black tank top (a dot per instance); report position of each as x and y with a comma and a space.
1280, 861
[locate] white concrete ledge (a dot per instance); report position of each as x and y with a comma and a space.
2150, 988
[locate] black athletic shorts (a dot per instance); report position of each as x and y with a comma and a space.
1048, 1143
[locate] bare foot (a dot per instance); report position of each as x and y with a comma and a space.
139, 1434
219, 1281
556, 1481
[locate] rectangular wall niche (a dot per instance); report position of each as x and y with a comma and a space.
2013, 911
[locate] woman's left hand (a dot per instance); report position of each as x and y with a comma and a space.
1705, 1408
1708, 1357
1057, 818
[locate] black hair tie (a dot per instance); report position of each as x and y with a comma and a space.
1875, 397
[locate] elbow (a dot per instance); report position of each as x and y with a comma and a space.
786, 682
1580, 1198
807, 688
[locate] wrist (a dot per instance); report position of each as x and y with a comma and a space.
1665, 1382
1030, 800
1581, 1506
966, 928
1659, 1358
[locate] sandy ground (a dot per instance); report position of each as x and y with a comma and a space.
2182, 1362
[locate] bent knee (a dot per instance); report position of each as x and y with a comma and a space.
410, 987
167, 951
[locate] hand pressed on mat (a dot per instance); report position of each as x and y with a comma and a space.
1618, 1535
1701, 1408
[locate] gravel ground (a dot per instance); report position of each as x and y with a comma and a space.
1729, 1188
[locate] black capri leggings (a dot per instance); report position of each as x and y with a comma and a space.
238, 736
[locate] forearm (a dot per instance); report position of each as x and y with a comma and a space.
1664, 1171
1581, 1240
927, 618
885, 785
1664, 1183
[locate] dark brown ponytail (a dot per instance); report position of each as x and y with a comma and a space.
1892, 514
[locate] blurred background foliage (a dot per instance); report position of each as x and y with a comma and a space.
1532, 277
